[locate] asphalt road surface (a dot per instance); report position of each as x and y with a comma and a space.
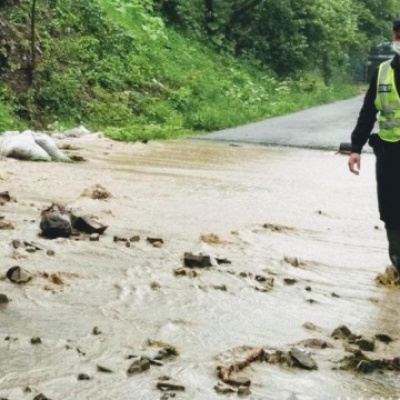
323, 127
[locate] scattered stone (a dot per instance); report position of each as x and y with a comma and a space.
18, 275
341, 332
243, 391
16, 243
293, 261
266, 282
223, 261
50, 253
223, 288
6, 225
56, 279
279, 357
36, 340
97, 192
335, 295
135, 238
358, 361
382, 337
4, 299
41, 396
27, 390
169, 386
128, 244
211, 238
365, 344
168, 352
308, 288
167, 396
96, 331
277, 228
314, 343
196, 260
139, 365
238, 382
83, 377
389, 278
5, 197
156, 363
155, 242
290, 281
311, 301
76, 158
80, 351
95, 237
185, 272
119, 239
303, 360
223, 388
310, 326
101, 368
56, 222
155, 285
88, 224
243, 274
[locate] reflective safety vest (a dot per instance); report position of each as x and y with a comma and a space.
387, 101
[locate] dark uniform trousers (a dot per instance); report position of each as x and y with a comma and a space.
388, 189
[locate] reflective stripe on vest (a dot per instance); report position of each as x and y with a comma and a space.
387, 101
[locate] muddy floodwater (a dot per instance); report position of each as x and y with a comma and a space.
305, 244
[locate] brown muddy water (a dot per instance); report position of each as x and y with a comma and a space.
318, 213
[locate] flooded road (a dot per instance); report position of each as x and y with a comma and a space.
296, 218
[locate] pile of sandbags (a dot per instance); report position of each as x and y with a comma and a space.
30, 145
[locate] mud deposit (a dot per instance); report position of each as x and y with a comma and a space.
121, 317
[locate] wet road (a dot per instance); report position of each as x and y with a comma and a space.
320, 214
322, 127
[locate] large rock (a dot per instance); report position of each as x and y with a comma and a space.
56, 222
303, 360
18, 275
88, 224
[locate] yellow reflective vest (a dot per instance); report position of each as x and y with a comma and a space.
387, 101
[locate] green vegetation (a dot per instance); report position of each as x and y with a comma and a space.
139, 69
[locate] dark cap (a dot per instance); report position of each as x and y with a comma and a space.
396, 24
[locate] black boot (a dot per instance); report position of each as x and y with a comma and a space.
393, 236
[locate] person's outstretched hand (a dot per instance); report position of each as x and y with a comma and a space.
355, 163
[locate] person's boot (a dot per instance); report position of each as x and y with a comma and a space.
393, 236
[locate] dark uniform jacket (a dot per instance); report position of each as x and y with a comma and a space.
368, 113
387, 153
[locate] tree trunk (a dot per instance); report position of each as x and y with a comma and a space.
33, 43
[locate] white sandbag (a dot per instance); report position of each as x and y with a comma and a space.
48, 144
23, 147
76, 132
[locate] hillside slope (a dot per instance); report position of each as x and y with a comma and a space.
114, 66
